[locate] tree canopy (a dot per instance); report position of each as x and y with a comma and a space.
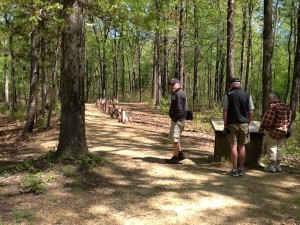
130, 49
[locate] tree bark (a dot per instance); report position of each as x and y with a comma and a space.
244, 31
156, 83
249, 47
13, 76
181, 35
6, 81
115, 48
32, 108
53, 81
267, 54
296, 76
43, 76
72, 138
196, 52
289, 50
230, 42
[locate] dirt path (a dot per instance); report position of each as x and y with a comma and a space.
137, 187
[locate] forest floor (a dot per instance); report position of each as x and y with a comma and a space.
134, 185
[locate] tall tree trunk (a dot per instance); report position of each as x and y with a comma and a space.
33, 83
156, 85
230, 42
217, 69
249, 46
181, 35
220, 73
155, 71
123, 73
13, 76
267, 54
12, 67
100, 60
53, 71
140, 48
244, 31
72, 138
6, 81
43, 76
196, 52
296, 75
115, 47
289, 49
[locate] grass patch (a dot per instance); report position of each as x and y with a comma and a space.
31, 166
23, 216
33, 184
297, 201
4, 194
69, 170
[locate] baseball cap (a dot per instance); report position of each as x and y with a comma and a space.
174, 81
233, 80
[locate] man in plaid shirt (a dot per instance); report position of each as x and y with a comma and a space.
275, 126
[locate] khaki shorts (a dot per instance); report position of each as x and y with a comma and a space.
239, 134
274, 147
176, 130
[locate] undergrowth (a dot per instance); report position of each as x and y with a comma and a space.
38, 172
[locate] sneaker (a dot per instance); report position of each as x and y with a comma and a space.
271, 169
241, 172
278, 168
234, 173
181, 156
173, 160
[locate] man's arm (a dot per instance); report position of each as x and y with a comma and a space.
268, 118
225, 110
225, 117
250, 114
250, 109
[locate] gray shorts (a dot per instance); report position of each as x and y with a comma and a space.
176, 130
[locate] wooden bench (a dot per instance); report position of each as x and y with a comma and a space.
254, 149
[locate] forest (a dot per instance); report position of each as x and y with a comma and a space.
58, 55
65, 161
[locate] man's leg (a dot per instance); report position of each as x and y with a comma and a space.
233, 155
176, 148
176, 130
241, 150
271, 145
279, 155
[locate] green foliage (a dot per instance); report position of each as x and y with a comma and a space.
69, 170
4, 109
31, 166
164, 105
51, 177
202, 118
41, 123
293, 143
89, 161
20, 115
4, 193
23, 216
33, 184
297, 201
83, 162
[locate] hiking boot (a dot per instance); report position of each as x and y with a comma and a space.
181, 156
278, 168
271, 169
241, 172
234, 173
173, 160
